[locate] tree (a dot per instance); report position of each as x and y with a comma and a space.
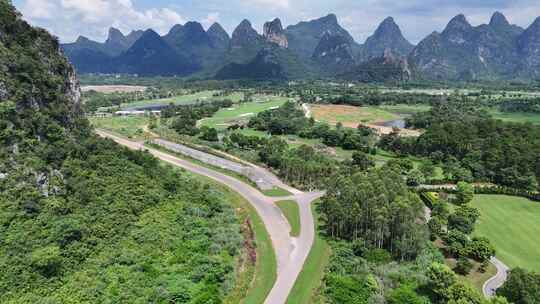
456, 241
465, 193
209, 134
463, 219
463, 266
405, 295
362, 161
463, 293
521, 287
415, 178
47, 260
440, 277
480, 249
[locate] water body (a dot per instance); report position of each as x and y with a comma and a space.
397, 123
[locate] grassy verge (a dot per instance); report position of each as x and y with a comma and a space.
292, 212
476, 278
309, 281
203, 164
131, 127
251, 288
276, 192
511, 223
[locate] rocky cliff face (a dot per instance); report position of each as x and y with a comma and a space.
529, 49
465, 52
386, 68
218, 37
274, 33
334, 53
388, 36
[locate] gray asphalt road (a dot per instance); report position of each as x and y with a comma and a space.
291, 253
491, 285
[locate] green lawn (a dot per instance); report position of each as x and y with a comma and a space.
276, 192
405, 108
513, 225
265, 272
240, 112
350, 116
130, 127
309, 281
183, 99
516, 117
292, 212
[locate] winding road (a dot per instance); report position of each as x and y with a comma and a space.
291, 252
491, 285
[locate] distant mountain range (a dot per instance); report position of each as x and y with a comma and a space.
319, 48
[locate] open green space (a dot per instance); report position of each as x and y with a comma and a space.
350, 116
309, 281
516, 117
404, 108
127, 126
241, 112
265, 272
276, 192
183, 99
512, 224
476, 277
292, 212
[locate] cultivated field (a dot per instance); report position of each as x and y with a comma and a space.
108, 89
373, 117
513, 225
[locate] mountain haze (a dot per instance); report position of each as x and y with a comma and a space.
317, 48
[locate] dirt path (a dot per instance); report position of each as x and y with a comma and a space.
291, 253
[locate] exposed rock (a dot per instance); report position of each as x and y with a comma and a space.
334, 52
529, 48
273, 32
387, 36
4, 94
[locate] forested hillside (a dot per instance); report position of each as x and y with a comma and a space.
83, 220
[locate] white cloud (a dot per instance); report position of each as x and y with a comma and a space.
272, 4
70, 18
210, 19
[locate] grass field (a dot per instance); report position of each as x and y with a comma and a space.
240, 112
309, 281
401, 109
292, 212
516, 117
254, 289
513, 225
276, 192
130, 127
350, 116
183, 99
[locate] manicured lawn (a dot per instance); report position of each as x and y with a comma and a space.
476, 278
130, 127
184, 99
265, 272
517, 117
350, 116
292, 212
513, 225
240, 112
309, 281
276, 192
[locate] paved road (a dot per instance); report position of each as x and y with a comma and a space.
291, 253
491, 285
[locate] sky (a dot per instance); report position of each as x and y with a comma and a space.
68, 19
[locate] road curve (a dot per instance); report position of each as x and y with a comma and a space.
291, 253
491, 285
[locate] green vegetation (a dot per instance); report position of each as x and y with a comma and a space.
240, 112
292, 212
203, 96
350, 116
264, 273
132, 127
276, 192
517, 117
308, 284
509, 222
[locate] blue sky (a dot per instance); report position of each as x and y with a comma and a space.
417, 18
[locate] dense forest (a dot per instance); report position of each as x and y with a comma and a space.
83, 220
470, 142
